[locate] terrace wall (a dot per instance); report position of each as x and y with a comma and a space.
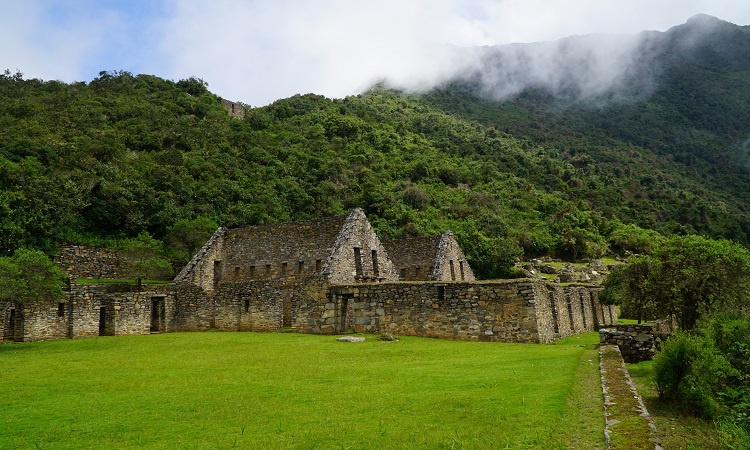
79, 261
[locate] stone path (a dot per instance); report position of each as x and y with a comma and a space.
628, 423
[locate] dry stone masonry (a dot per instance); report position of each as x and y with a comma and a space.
326, 276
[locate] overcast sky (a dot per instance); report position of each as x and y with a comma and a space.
257, 51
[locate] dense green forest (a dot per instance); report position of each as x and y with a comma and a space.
105, 161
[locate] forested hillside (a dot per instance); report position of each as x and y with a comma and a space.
106, 160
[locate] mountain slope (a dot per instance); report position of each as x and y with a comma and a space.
682, 108
554, 170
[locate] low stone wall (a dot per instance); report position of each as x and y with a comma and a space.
636, 342
524, 310
505, 311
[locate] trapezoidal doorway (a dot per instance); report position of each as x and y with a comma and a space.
345, 314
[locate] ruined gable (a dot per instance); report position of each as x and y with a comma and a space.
202, 269
358, 255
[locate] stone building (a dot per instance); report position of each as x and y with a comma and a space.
433, 258
328, 276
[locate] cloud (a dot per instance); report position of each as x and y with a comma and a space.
257, 51
260, 51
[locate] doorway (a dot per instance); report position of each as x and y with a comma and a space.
12, 324
157, 315
345, 319
103, 321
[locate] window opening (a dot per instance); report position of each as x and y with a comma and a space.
358, 261
375, 270
453, 271
217, 273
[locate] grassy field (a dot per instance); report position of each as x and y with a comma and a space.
253, 390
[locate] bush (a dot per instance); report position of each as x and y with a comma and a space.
707, 373
691, 372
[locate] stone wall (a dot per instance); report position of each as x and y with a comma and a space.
413, 258
193, 308
34, 321
507, 311
79, 261
91, 310
236, 110
358, 255
291, 250
268, 305
636, 342
451, 263
201, 269
522, 310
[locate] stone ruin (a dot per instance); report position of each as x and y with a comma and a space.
327, 276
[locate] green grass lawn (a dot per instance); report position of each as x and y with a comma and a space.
286, 390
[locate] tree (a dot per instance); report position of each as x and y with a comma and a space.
142, 259
687, 276
30, 276
628, 285
186, 237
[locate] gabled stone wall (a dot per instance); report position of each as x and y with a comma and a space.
352, 259
201, 269
433, 258
450, 262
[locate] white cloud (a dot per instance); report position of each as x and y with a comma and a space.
264, 50
257, 51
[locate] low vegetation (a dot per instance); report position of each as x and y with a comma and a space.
288, 390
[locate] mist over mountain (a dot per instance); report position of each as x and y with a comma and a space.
574, 148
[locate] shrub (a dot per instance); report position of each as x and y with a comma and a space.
691, 372
708, 373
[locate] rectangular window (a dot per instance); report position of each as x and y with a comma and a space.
301, 267
268, 269
403, 274
60, 309
318, 265
283, 268
417, 271
247, 305
441, 293
461, 269
252, 271
375, 270
453, 271
236, 271
358, 261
